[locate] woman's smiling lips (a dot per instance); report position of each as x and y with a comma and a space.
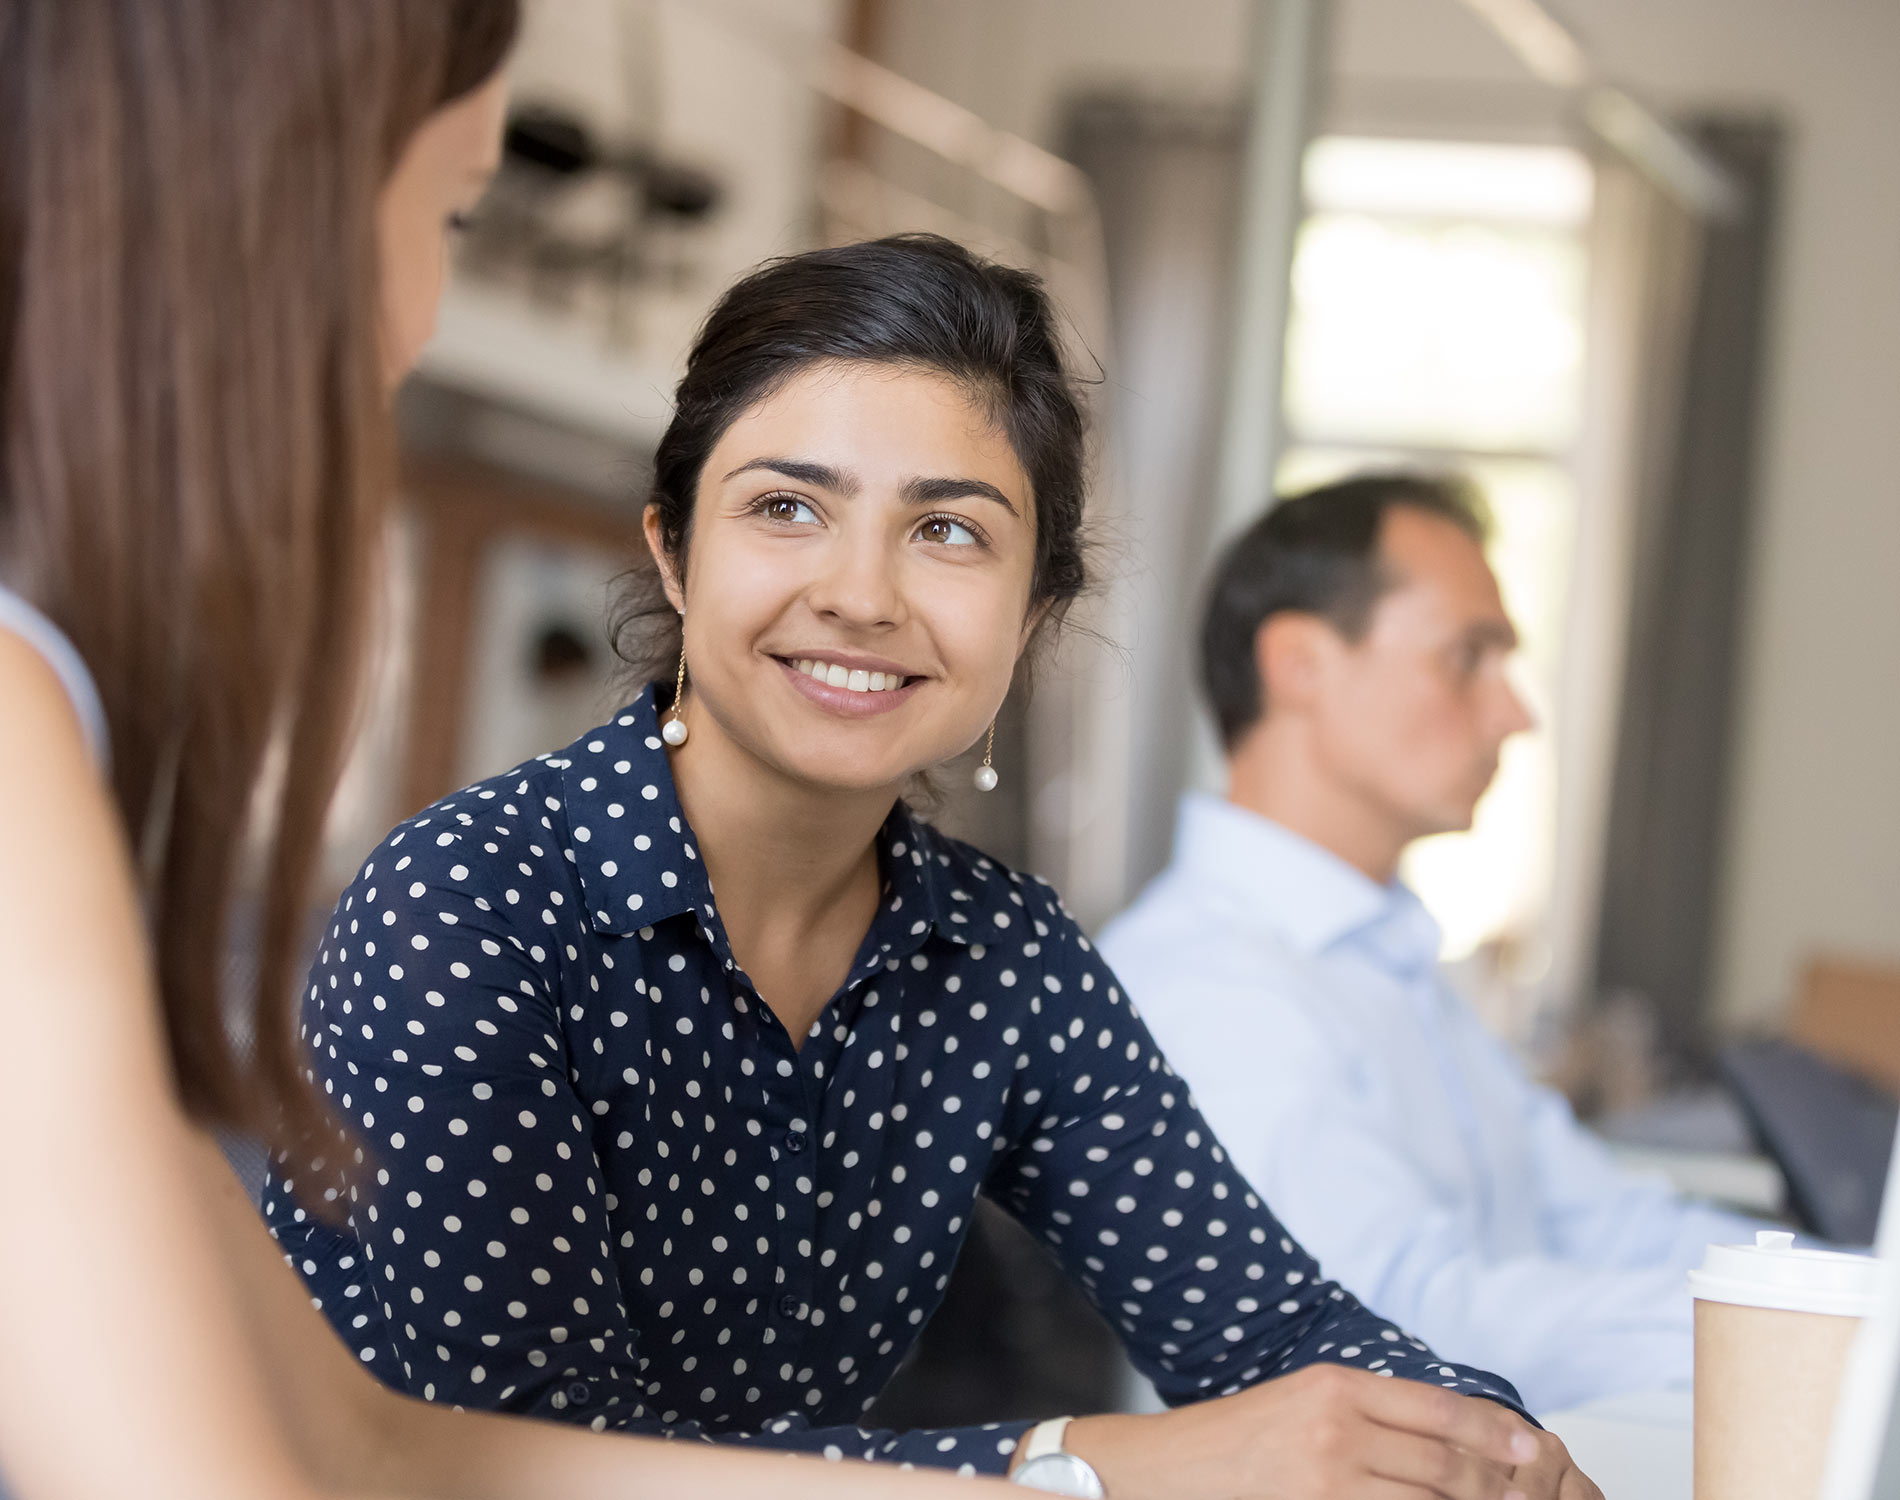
849, 685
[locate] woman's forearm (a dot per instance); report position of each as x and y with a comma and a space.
434, 1451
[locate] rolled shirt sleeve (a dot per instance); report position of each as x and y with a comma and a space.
1121, 1176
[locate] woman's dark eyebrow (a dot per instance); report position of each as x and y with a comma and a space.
932, 491
819, 476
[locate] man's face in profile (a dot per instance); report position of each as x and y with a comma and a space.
1412, 715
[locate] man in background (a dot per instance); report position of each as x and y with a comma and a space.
1355, 650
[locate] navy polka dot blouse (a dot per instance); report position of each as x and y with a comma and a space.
603, 1187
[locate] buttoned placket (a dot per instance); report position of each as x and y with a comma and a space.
776, 1114
792, 1087
787, 1088
787, 1109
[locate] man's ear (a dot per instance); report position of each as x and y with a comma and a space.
1289, 655
656, 544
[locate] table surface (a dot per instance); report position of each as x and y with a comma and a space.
1634, 1447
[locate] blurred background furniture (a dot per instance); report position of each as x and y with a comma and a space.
1849, 1010
1829, 1130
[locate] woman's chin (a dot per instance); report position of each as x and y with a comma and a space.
863, 781
847, 771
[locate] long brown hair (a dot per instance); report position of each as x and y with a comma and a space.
195, 450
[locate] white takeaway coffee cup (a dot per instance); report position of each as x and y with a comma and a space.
1773, 1325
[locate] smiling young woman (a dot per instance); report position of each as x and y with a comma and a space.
863, 549
683, 1059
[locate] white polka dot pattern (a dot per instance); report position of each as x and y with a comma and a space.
602, 1186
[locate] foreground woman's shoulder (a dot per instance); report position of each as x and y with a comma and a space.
497, 833
531, 843
947, 858
989, 902
47, 697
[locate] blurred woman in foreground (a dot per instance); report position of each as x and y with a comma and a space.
221, 228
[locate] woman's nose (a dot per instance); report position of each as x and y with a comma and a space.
859, 585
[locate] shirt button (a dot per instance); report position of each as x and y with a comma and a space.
580, 1393
794, 1141
788, 1305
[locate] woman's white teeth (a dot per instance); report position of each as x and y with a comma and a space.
851, 679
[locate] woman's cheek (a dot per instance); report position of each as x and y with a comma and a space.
413, 264
747, 582
976, 623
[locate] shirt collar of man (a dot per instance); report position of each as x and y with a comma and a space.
1272, 876
639, 863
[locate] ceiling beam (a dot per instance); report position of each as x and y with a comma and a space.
1551, 53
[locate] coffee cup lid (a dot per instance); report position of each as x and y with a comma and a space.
1773, 1273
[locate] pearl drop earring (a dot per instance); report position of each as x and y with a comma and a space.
985, 777
674, 730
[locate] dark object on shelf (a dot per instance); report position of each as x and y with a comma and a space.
550, 141
1830, 1131
552, 144
672, 188
572, 209
561, 653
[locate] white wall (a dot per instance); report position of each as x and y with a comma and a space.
1014, 61
1815, 826
1815, 822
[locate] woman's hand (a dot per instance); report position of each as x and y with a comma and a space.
1329, 1433
1552, 1475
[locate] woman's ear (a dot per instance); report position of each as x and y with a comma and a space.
656, 544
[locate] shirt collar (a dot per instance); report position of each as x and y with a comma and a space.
629, 839
1309, 895
929, 873
639, 864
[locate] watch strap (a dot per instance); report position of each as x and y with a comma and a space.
1046, 1437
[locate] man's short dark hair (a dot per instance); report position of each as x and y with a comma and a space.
1317, 553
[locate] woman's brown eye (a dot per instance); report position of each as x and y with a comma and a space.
787, 508
947, 532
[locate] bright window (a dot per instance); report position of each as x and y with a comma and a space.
1438, 323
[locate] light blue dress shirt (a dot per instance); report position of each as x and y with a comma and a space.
1396, 1138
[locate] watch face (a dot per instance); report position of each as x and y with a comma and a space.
1059, 1474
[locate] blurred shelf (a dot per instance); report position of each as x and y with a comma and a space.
498, 345
1753, 1184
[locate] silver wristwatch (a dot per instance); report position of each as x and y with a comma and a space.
1048, 1468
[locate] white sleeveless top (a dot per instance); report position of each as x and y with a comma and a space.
23, 620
